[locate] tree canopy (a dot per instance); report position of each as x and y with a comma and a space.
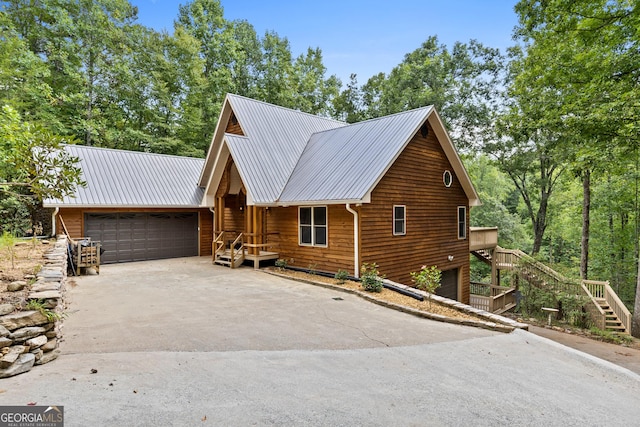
549, 130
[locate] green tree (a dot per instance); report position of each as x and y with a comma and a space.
32, 161
348, 105
276, 71
499, 206
587, 55
314, 91
461, 82
22, 74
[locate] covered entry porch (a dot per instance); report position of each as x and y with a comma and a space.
240, 233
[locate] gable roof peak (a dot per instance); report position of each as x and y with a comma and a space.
231, 96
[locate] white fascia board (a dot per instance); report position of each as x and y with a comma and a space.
216, 140
216, 173
365, 199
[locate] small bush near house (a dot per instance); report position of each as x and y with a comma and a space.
341, 276
313, 268
371, 280
427, 279
281, 263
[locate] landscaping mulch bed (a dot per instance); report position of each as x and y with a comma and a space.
386, 295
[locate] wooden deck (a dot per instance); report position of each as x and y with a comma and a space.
262, 256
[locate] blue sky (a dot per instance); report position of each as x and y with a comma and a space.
355, 36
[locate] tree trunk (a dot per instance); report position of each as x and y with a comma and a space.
635, 320
586, 207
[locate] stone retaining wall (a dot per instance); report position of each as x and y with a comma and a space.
29, 338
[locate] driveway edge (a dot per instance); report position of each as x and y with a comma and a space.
494, 322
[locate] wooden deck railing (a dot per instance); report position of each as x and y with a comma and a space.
533, 270
492, 298
483, 238
593, 308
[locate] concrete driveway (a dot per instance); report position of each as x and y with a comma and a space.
182, 342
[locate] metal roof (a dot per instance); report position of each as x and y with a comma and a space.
288, 157
118, 178
275, 139
345, 164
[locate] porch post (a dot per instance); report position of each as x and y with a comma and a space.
254, 226
494, 276
219, 217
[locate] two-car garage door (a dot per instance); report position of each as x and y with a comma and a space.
138, 236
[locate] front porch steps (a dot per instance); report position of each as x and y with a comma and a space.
224, 258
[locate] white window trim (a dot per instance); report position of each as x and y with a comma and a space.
313, 227
464, 209
444, 178
404, 220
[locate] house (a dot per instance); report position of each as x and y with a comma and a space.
285, 184
330, 195
140, 206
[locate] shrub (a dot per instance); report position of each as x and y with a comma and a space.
281, 263
371, 280
8, 240
312, 268
341, 276
427, 279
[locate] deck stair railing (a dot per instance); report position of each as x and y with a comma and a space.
495, 299
227, 252
605, 308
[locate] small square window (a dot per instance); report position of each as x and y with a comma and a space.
399, 220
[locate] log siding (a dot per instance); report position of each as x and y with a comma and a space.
337, 255
415, 180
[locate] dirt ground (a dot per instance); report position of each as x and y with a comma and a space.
28, 259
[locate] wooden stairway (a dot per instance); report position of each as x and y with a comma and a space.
612, 321
604, 306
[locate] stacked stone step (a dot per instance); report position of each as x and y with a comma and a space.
29, 338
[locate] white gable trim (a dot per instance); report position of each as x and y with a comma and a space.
216, 142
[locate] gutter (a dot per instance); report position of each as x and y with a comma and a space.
356, 241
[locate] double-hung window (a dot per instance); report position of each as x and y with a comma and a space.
313, 226
462, 222
399, 220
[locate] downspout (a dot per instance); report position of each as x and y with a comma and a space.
213, 225
53, 221
356, 241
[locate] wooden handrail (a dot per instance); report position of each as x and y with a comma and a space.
491, 297
618, 307
594, 309
233, 250
218, 244
548, 277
